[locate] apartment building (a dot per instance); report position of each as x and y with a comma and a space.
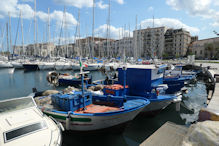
149, 42
177, 42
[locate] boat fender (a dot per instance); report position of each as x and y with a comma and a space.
68, 120
157, 92
52, 77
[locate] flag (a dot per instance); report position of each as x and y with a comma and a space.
85, 65
80, 62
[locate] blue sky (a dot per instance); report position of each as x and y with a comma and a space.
200, 17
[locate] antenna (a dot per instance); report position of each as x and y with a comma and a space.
153, 21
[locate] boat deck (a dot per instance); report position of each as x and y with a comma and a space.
92, 108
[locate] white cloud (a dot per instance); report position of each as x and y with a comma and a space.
76, 3
216, 2
120, 2
215, 24
58, 16
150, 8
27, 0
170, 23
115, 33
82, 3
101, 5
14, 8
202, 8
193, 7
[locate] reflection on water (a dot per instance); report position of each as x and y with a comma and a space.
194, 100
20, 83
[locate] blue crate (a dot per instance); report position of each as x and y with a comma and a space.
113, 92
71, 102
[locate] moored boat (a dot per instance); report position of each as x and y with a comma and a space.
46, 65
30, 66
66, 79
93, 112
22, 123
5, 64
147, 81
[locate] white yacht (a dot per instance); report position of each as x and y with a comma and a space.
5, 64
46, 65
23, 124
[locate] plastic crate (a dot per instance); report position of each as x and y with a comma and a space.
71, 102
113, 92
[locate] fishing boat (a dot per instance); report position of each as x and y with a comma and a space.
147, 81
88, 112
176, 80
84, 111
22, 123
66, 79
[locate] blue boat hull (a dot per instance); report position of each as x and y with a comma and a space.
31, 67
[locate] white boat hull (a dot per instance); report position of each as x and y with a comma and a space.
75, 67
5, 65
156, 106
63, 67
91, 68
92, 123
17, 65
46, 66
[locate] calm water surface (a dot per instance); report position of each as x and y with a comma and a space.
20, 84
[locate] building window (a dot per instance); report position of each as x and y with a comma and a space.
201, 52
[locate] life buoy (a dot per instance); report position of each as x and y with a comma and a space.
53, 78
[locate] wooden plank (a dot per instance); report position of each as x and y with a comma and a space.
169, 134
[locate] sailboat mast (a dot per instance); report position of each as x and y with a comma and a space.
34, 52
48, 33
129, 41
79, 41
135, 41
92, 52
153, 39
22, 33
10, 30
7, 38
124, 42
108, 31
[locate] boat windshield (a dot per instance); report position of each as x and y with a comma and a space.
16, 133
16, 104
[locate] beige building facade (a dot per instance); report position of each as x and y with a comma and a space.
177, 42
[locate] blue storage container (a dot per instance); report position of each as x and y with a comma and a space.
71, 102
113, 92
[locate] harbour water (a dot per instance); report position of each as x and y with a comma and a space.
20, 83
